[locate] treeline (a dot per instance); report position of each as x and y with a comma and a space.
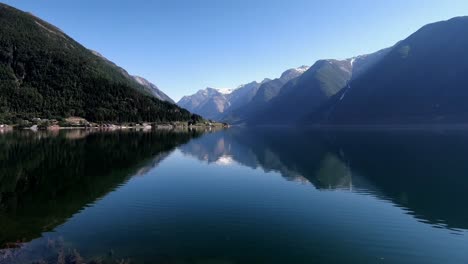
46, 74
96, 100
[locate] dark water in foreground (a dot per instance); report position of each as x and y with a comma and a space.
235, 196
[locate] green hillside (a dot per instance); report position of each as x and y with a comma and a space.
46, 74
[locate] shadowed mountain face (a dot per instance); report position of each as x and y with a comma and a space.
304, 94
264, 94
46, 178
404, 167
421, 80
299, 97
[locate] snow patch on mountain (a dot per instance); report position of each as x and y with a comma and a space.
293, 73
225, 90
302, 69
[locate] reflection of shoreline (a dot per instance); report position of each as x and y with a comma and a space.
80, 133
45, 178
52, 251
77, 123
5, 129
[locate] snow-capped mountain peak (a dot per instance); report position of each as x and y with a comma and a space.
293, 73
225, 90
303, 68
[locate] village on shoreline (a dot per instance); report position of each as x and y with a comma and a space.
81, 123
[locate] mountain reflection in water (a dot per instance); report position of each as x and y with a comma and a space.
235, 196
425, 172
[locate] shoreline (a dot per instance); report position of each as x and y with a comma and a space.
6, 128
71, 123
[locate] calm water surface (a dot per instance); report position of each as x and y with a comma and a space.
235, 196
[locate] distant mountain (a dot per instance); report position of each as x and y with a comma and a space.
284, 103
231, 104
268, 90
44, 73
423, 79
271, 89
301, 95
243, 95
154, 89
215, 104
209, 103
420, 80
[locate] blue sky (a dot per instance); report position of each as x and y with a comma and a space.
186, 45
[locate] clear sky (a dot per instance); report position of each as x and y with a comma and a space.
186, 45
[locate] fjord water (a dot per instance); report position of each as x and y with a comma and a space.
236, 196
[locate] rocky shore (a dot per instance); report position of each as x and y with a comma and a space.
81, 123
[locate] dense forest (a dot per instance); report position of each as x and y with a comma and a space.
46, 74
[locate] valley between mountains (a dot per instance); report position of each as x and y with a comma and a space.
45, 74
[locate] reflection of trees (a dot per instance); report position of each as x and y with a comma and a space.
46, 178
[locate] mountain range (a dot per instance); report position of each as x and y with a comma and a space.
223, 104
316, 86
420, 80
285, 100
44, 73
